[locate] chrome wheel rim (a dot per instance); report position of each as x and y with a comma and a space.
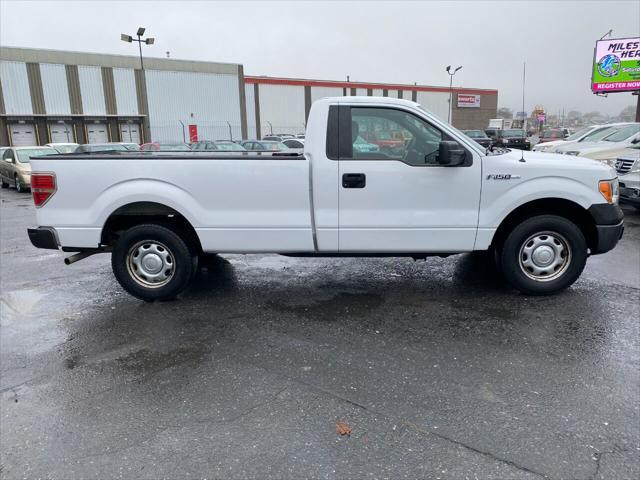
545, 256
151, 264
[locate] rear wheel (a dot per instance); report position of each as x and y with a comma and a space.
152, 262
543, 255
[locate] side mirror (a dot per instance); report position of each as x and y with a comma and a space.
451, 154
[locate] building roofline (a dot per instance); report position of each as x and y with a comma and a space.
41, 55
263, 80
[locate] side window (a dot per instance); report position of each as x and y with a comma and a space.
390, 134
8, 155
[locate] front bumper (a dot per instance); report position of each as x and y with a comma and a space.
43, 237
608, 236
609, 221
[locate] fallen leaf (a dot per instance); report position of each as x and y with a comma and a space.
343, 429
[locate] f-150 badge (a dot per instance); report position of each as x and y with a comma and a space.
502, 176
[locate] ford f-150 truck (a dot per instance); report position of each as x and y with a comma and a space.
440, 193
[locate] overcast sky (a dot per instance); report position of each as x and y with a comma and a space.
401, 42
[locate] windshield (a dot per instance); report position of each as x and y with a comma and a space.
578, 134
475, 134
229, 146
599, 134
24, 154
66, 148
623, 133
103, 148
553, 134
513, 133
173, 147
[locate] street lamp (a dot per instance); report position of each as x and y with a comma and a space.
451, 74
129, 39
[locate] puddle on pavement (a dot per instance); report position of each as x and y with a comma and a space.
340, 305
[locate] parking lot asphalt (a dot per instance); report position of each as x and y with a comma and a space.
437, 368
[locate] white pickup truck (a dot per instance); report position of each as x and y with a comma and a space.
434, 192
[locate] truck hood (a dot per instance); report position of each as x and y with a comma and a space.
555, 161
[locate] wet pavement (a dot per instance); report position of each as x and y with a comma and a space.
439, 369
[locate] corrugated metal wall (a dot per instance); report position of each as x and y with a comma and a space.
435, 102
393, 93
55, 89
250, 102
322, 92
377, 92
125, 86
15, 87
91, 90
361, 92
283, 107
208, 100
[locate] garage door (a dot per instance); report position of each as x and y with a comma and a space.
61, 133
97, 133
23, 134
130, 133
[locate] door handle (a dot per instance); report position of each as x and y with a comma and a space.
354, 180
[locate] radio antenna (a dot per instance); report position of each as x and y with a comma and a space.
524, 113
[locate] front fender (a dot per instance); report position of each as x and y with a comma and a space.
496, 204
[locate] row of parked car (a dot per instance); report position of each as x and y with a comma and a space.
497, 137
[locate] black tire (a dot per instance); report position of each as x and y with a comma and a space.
19, 186
123, 262
535, 238
5, 184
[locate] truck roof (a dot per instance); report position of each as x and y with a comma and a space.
361, 99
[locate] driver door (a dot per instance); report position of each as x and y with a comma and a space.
397, 197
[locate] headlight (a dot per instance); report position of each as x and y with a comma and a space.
610, 190
504, 140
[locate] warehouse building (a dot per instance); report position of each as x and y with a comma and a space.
57, 96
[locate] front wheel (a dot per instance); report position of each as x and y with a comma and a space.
152, 262
19, 187
543, 255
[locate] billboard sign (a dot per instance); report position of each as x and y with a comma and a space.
465, 100
616, 65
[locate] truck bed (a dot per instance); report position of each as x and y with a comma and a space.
237, 202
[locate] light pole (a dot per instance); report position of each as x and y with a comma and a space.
128, 38
451, 74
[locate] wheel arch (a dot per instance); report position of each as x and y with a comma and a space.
137, 213
562, 207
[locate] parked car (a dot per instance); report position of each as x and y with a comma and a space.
553, 134
360, 145
607, 149
63, 147
15, 166
165, 147
132, 147
262, 145
541, 218
297, 143
628, 168
278, 138
587, 134
100, 148
512, 138
224, 145
479, 137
